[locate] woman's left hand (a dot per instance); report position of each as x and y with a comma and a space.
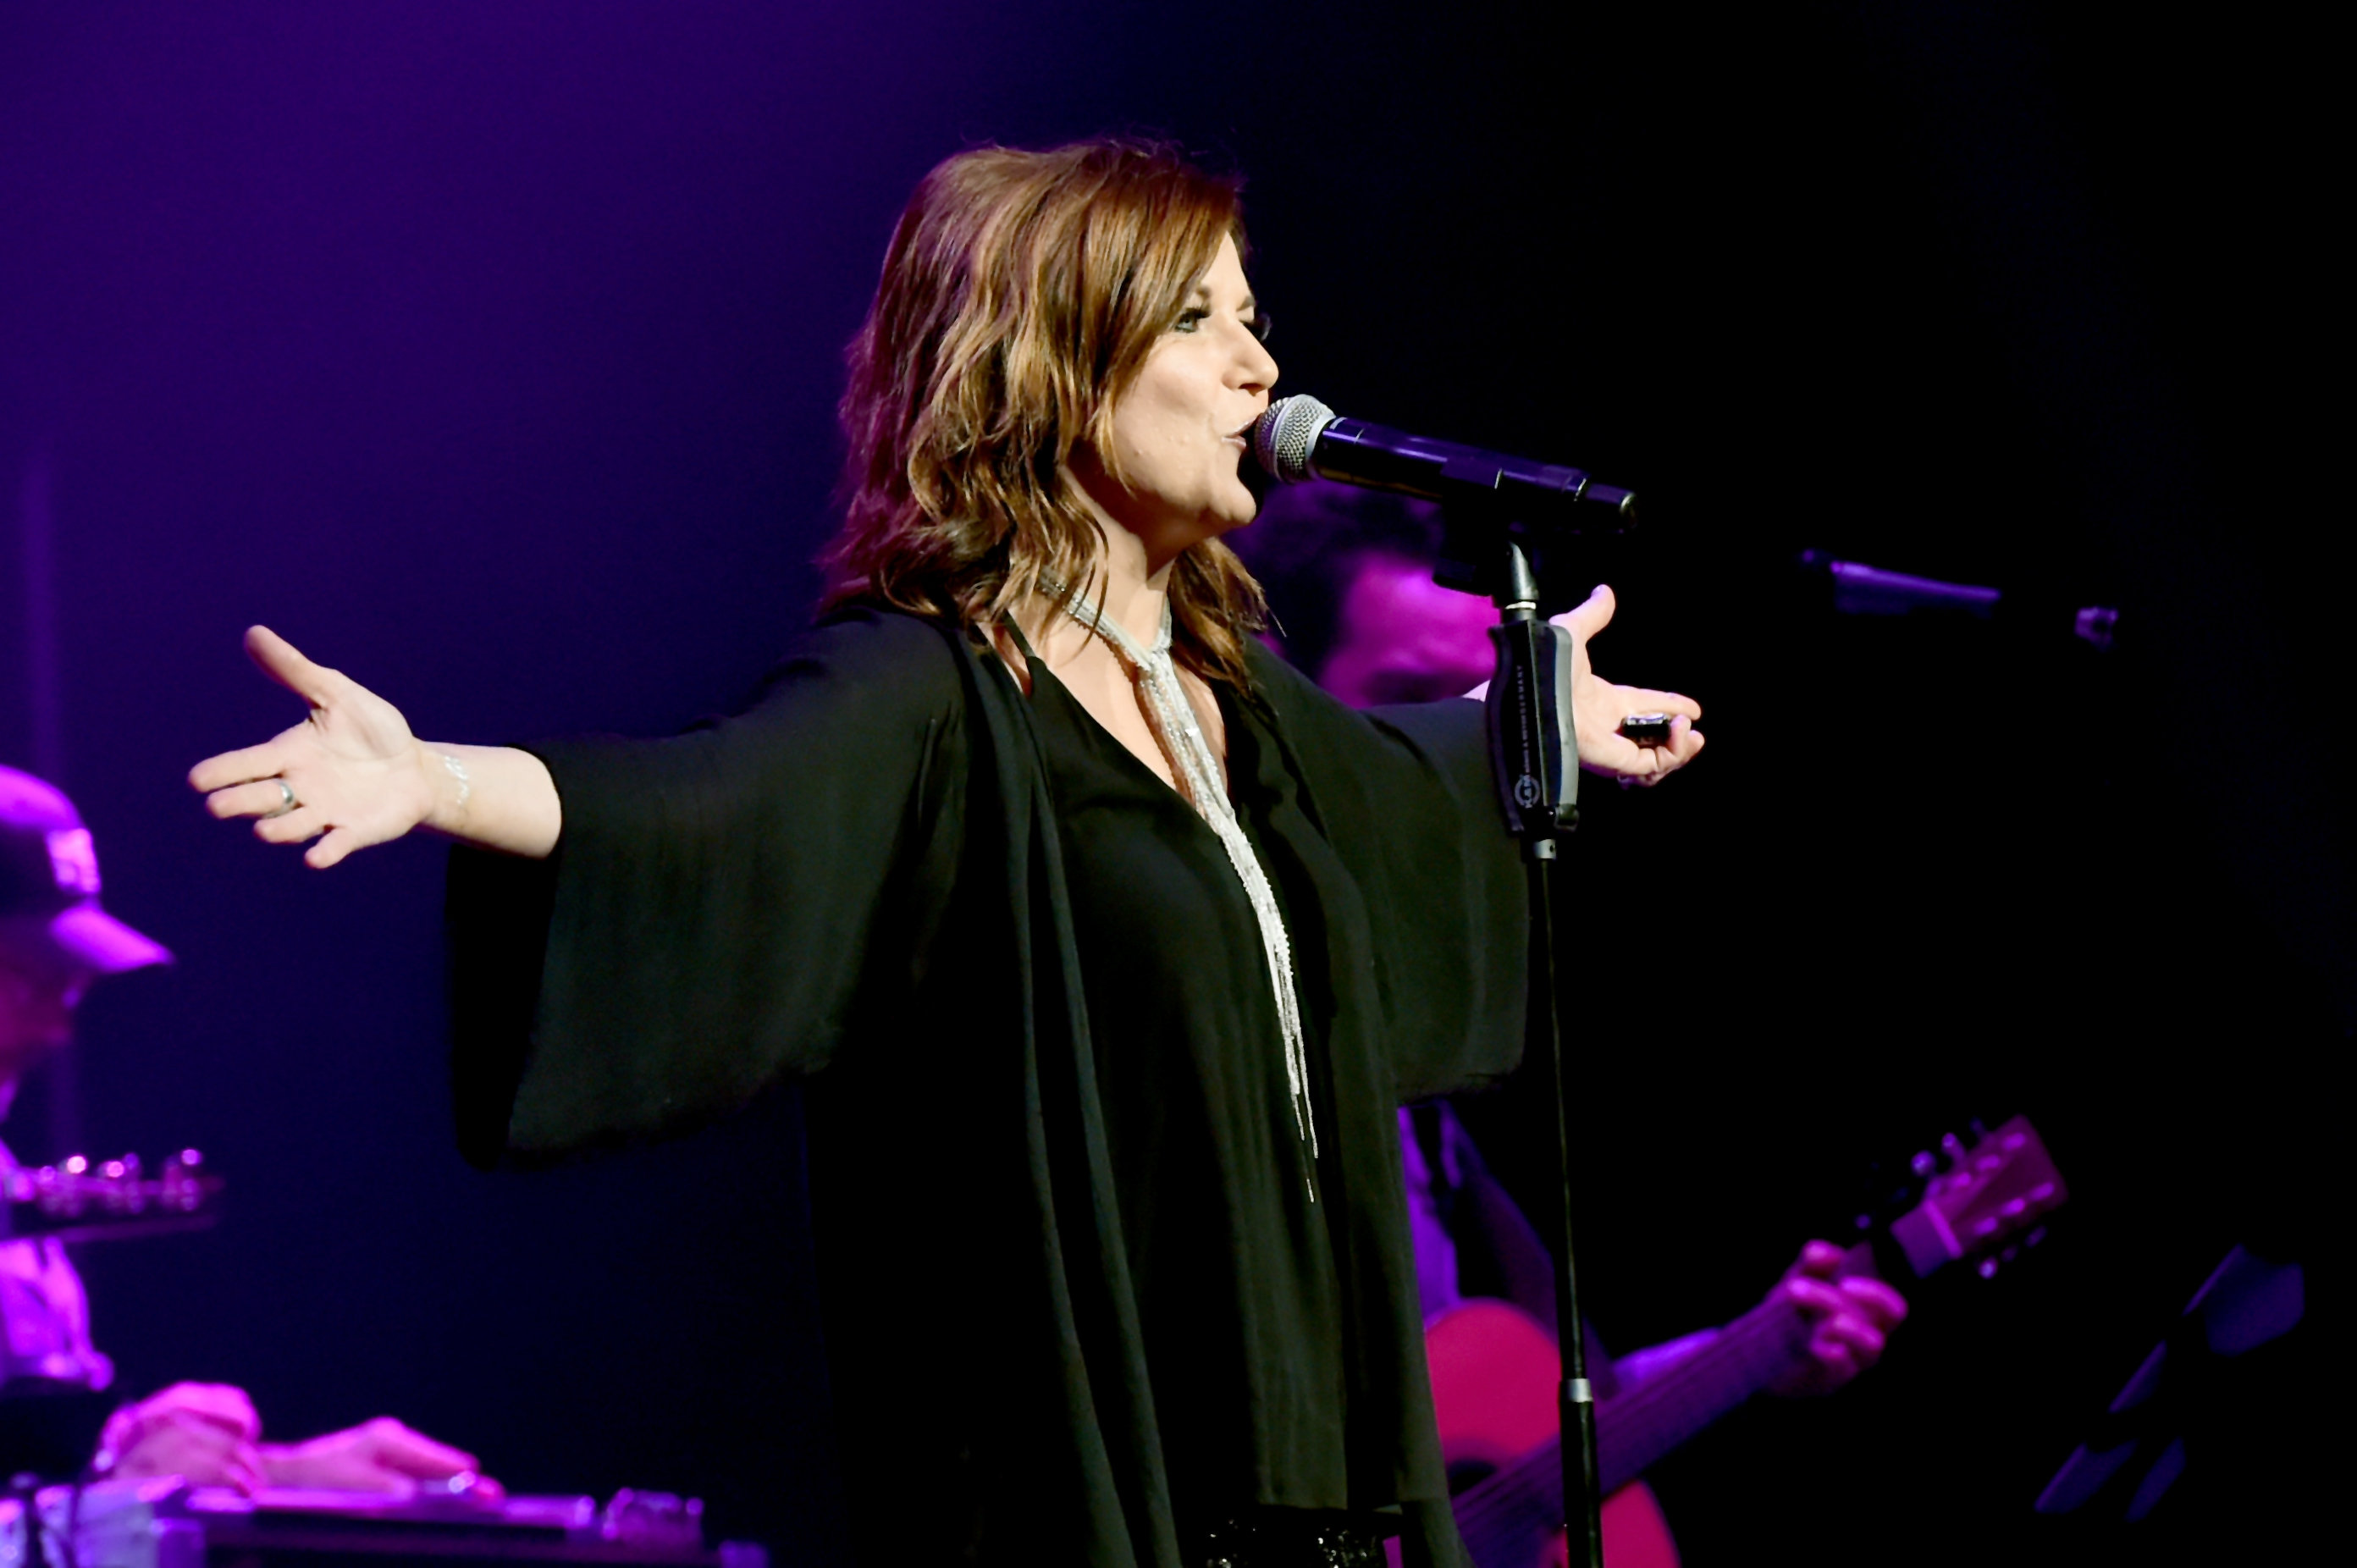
1599, 706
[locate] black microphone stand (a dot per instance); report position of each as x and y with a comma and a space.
1536, 762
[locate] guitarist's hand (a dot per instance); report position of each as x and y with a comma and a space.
204, 1432
1849, 1316
379, 1455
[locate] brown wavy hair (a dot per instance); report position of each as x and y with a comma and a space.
1020, 296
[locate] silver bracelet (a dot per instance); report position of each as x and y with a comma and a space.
466, 785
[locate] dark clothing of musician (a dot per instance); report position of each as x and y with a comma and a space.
1087, 1296
53, 1379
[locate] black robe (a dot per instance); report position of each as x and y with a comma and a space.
859, 878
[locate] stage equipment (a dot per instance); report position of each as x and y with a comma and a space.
1300, 438
1534, 758
76, 1200
1651, 731
1858, 590
1498, 514
165, 1523
2185, 1388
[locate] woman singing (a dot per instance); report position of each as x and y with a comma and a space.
1108, 943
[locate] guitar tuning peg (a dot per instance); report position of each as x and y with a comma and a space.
130, 1163
1952, 1149
2035, 1237
1987, 1269
188, 1159
1978, 1129
1925, 1165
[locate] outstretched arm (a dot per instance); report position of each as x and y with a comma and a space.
351, 774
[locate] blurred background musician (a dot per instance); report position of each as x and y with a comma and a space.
1348, 577
55, 942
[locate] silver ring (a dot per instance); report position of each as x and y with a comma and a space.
286, 793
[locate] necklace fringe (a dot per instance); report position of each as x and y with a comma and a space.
1171, 718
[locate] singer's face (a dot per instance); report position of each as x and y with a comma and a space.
1183, 427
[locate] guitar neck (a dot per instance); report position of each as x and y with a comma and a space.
1636, 1429
1504, 1517
74, 1201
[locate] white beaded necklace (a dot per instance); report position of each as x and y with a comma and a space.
1171, 717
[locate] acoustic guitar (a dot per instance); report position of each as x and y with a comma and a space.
1495, 1370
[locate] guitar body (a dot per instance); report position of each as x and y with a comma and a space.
1494, 1373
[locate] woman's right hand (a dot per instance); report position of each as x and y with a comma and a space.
351, 774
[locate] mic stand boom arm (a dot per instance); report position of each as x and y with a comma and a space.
1534, 757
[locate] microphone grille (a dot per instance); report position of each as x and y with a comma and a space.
1286, 437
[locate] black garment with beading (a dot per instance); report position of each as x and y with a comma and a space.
897, 874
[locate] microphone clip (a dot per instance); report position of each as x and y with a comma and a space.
1533, 754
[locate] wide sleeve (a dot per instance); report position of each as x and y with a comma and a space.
1404, 797
721, 905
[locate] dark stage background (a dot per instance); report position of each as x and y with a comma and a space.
488, 352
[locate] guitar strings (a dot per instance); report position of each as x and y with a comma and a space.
1526, 1482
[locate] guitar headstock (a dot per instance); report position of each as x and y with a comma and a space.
1993, 1197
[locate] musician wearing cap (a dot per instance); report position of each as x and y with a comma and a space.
1108, 945
56, 940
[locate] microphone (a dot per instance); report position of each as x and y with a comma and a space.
1300, 438
1859, 589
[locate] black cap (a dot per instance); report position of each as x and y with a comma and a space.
49, 887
